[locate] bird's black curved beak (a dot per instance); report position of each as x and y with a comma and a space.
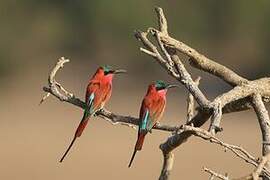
119, 71
172, 86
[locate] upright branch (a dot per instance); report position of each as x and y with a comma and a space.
168, 159
191, 103
264, 122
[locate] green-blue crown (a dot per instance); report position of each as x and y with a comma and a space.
160, 85
107, 69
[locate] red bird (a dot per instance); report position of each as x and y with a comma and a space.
98, 92
152, 109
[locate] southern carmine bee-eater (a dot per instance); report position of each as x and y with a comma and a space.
98, 92
152, 109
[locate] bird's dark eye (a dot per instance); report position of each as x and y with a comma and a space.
159, 88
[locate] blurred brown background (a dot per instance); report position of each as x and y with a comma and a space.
34, 34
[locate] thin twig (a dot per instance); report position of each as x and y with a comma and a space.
152, 50
215, 174
236, 150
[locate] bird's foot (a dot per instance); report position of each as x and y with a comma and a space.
157, 123
218, 129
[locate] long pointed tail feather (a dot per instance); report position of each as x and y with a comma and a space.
132, 158
69, 147
78, 133
138, 147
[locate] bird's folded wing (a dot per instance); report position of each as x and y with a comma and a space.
146, 122
89, 109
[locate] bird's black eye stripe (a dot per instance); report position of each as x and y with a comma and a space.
159, 88
108, 72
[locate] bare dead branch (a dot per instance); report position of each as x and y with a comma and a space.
171, 58
187, 81
148, 52
215, 174
164, 51
215, 119
244, 91
236, 150
179, 138
44, 98
248, 177
151, 50
191, 103
163, 27
253, 176
264, 122
197, 60
259, 86
257, 172
168, 159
